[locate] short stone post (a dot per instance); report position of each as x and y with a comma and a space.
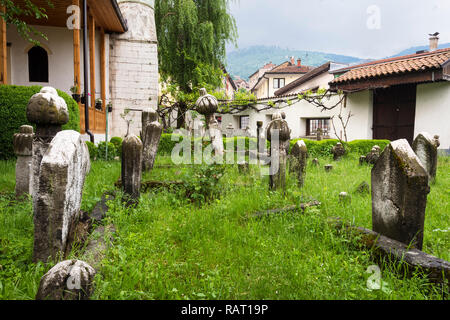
328, 167
399, 194
426, 148
132, 168
151, 135
63, 169
338, 151
23, 148
315, 162
278, 133
298, 161
362, 160
373, 156
49, 112
261, 140
319, 134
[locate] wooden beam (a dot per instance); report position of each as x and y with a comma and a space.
103, 66
92, 67
3, 51
77, 64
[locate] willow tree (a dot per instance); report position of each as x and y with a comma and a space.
192, 36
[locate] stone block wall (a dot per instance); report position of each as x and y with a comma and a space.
133, 67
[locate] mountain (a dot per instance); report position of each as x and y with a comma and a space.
419, 48
245, 62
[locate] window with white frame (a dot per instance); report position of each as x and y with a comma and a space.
278, 83
244, 122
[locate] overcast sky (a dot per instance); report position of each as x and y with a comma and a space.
361, 28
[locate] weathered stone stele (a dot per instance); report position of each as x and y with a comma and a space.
49, 112
57, 208
132, 168
23, 148
426, 148
207, 105
399, 194
277, 133
338, 151
373, 156
68, 280
298, 161
151, 135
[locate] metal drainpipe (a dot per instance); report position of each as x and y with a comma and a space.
86, 72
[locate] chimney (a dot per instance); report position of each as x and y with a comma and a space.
299, 62
434, 41
292, 61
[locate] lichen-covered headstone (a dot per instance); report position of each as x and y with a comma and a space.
48, 111
399, 194
23, 148
68, 280
298, 161
151, 135
338, 151
373, 156
132, 168
426, 148
63, 169
278, 133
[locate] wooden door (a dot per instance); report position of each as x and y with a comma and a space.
394, 111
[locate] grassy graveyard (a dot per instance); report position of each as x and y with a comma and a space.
198, 240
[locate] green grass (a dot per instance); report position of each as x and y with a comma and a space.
170, 248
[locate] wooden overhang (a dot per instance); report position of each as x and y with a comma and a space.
446, 70
106, 12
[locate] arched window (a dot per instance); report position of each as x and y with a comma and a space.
38, 64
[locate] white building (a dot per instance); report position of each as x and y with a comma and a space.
122, 59
389, 99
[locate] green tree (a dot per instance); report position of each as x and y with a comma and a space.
192, 35
15, 14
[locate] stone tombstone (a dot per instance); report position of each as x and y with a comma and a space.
315, 162
68, 280
229, 130
319, 134
399, 194
373, 156
287, 146
278, 133
23, 148
363, 188
338, 151
151, 135
48, 111
261, 139
132, 168
362, 160
207, 105
426, 148
243, 167
344, 197
328, 167
298, 161
63, 169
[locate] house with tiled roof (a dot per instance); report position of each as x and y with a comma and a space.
403, 96
388, 99
279, 77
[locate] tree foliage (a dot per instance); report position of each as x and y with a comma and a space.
15, 14
192, 38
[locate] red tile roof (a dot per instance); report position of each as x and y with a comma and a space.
291, 69
393, 66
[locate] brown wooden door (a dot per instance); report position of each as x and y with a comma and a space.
394, 111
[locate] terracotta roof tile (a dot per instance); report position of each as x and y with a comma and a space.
410, 63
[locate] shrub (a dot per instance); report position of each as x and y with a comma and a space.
13, 105
363, 147
202, 183
92, 150
166, 144
117, 142
102, 151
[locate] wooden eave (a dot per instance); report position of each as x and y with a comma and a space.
106, 12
